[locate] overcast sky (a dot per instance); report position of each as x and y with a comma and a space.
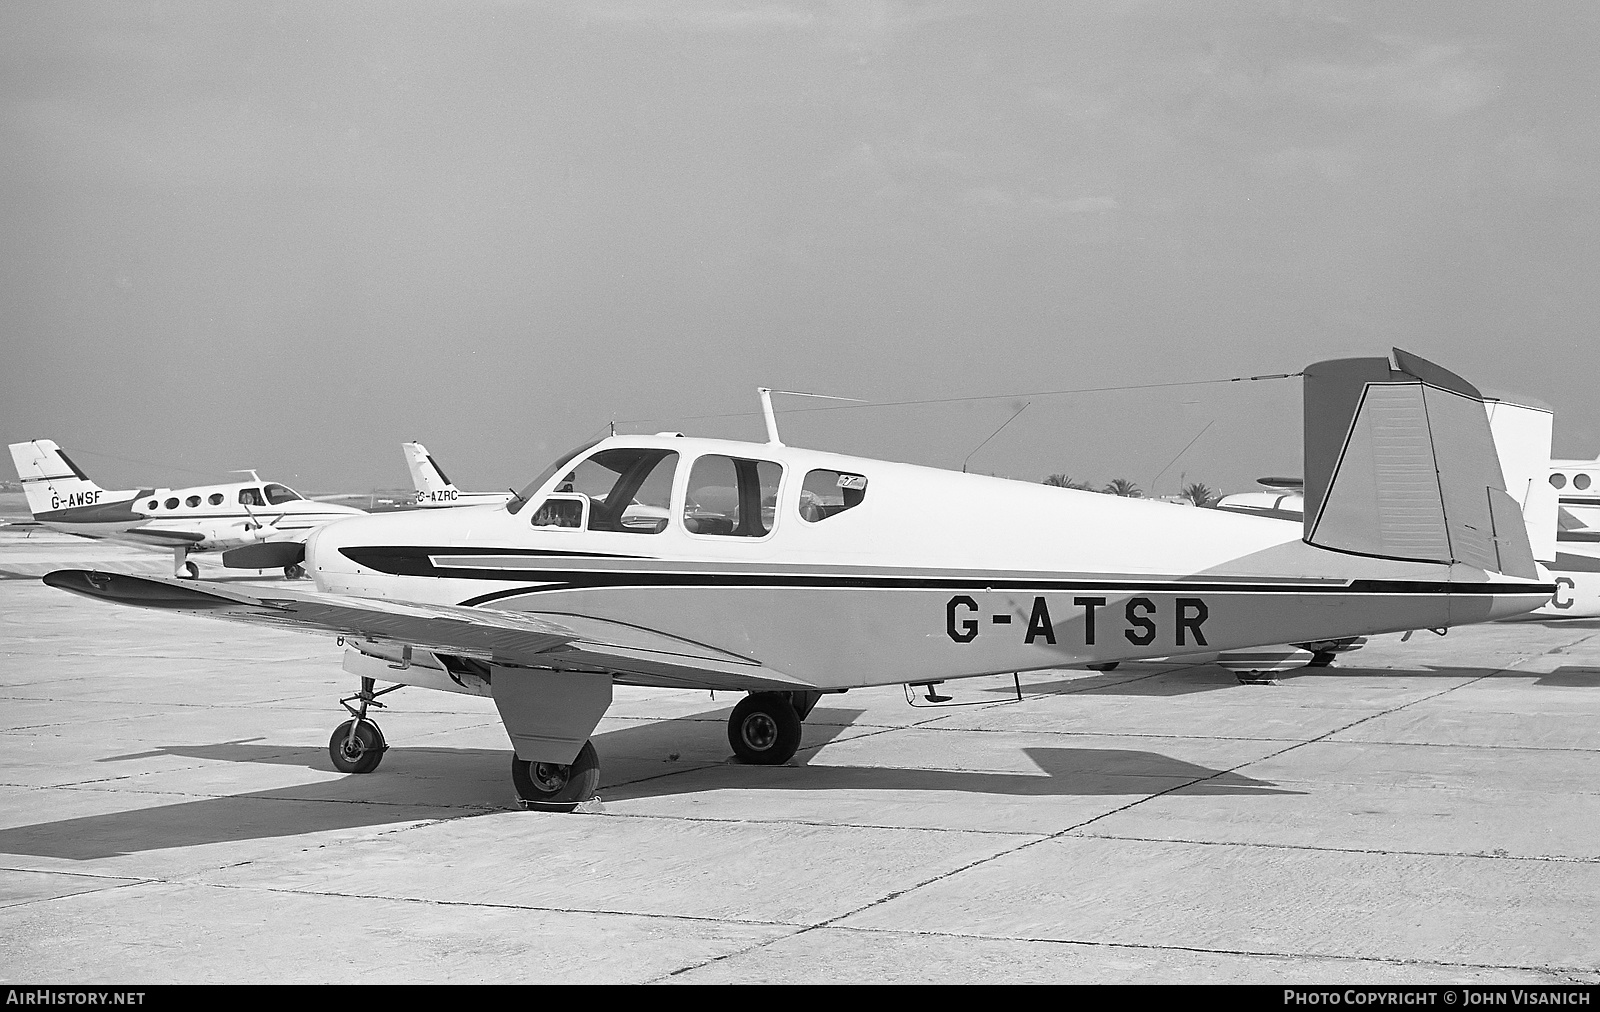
290, 236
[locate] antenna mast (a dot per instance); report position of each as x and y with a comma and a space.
772, 419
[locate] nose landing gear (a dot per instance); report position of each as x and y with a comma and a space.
357, 745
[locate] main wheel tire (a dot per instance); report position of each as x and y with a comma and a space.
1320, 659
764, 730
553, 785
192, 569
294, 572
363, 753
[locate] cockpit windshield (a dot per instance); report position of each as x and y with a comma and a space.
515, 505
280, 493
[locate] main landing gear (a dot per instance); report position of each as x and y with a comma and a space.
357, 746
553, 786
181, 566
764, 728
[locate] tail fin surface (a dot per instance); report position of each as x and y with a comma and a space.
1523, 431
426, 475
51, 480
1401, 464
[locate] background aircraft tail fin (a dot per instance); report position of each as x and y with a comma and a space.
1400, 463
426, 475
50, 479
1523, 431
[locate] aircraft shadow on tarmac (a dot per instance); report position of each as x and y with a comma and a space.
422, 783
1572, 677
1125, 681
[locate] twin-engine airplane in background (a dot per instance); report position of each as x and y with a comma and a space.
435, 490
254, 524
789, 573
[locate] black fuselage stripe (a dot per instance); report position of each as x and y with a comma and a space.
418, 562
1370, 589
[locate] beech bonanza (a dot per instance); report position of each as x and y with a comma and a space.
254, 524
790, 573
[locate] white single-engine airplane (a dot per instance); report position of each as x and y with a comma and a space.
790, 573
1576, 569
434, 489
254, 524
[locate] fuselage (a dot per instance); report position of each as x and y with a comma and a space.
843, 571
201, 518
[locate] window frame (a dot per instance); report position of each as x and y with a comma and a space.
681, 500
845, 508
583, 501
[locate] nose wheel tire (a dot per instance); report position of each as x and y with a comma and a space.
360, 752
556, 787
764, 729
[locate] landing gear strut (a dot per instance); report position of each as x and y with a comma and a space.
764, 729
357, 746
556, 787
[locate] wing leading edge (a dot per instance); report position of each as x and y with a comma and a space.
494, 636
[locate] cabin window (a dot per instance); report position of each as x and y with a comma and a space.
172, 503
250, 497
829, 493
732, 497
281, 493
192, 501
629, 488
1558, 480
1580, 481
215, 499
152, 504
559, 511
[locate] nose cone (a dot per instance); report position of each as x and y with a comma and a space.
386, 544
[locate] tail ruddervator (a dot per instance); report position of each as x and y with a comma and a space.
790, 573
434, 489
1401, 464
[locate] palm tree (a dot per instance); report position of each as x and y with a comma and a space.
1122, 486
1200, 494
1065, 481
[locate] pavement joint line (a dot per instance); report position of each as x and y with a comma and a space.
1290, 748
746, 821
1377, 852
482, 904
49, 899
259, 796
1462, 744
71, 873
1451, 964
889, 897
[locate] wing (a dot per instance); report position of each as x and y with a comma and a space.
634, 653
